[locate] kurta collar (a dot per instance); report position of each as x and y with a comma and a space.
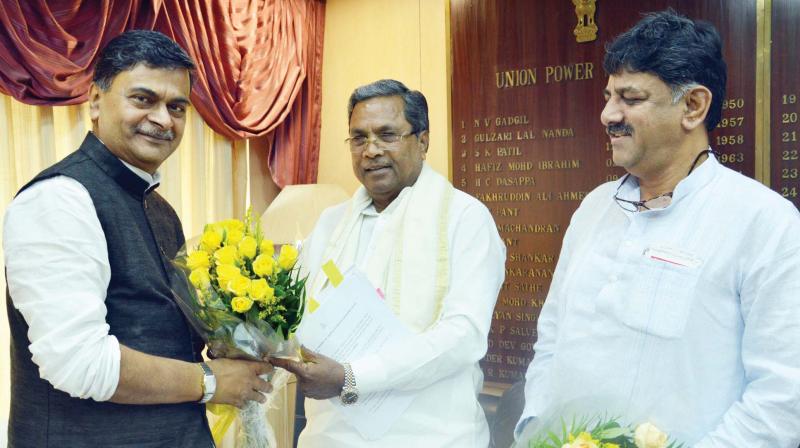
696, 180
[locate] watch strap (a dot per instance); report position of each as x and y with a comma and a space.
209, 383
349, 393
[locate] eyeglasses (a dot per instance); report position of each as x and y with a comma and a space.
661, 201
385, 141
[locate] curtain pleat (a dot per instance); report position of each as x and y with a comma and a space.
301, 129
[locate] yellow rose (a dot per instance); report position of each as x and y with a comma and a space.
226, 273
232, 224
210, 240
199, 278
241, 304
233, 229
287, 257
647, 435
584, 440
260, 290
247, 247
197, 259
238, 285
263, 266
267, 247
226, 255
233, 236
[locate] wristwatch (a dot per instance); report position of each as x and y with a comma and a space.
209, 383
349, 393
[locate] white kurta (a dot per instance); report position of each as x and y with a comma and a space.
57, 265
688, 316
440, 364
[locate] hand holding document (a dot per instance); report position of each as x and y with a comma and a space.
352, 321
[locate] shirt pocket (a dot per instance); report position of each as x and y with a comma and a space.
657, 299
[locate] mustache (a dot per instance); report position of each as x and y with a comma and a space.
167, 134
619, 128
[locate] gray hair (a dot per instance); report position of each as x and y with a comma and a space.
680, 90
415, 106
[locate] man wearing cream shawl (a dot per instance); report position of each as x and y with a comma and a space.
435, 253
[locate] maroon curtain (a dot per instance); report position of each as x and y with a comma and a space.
301, 129
48, 47
258, 62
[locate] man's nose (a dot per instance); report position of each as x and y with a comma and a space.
372, 149
160, 116
611, 113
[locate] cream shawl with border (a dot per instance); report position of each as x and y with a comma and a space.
411, 259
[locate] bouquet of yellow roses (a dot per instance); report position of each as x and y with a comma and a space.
603, 433
246, 303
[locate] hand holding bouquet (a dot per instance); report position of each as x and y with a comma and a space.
245, 302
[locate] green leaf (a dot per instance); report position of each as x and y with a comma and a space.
252, 313
556, 440
611, 433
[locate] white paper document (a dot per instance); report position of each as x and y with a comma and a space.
352, 321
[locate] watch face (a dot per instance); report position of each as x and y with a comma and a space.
349, 397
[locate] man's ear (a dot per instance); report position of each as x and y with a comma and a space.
697, 102
423, 141
94, 102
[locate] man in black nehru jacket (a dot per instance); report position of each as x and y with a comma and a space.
101, 356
